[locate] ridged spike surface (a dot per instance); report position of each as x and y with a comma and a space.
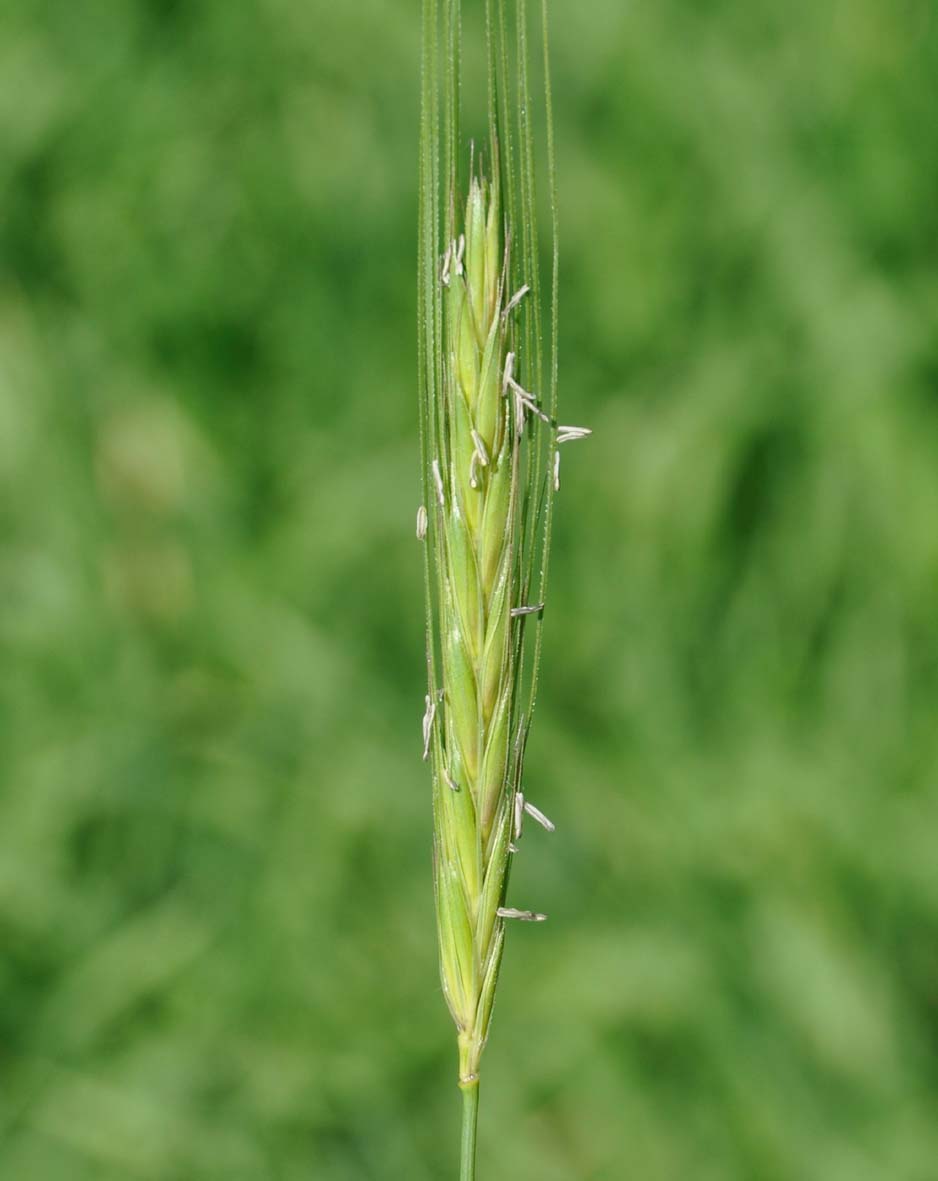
478, 462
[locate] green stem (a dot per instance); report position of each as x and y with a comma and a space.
470, 1119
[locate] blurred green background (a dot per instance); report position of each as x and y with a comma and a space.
217, 952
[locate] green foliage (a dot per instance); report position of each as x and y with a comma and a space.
218, 947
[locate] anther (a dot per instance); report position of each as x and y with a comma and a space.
515, 300
556, 471
508, 375
421, 523
519, 815
447, 258
473, 470
428, 717
519, 417
481, 449
529, 400
525, 916
450, 783
438, 480
538, 815
569, 434
460, 250
534, 609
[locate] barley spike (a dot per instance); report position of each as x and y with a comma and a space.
477, 558
489, 476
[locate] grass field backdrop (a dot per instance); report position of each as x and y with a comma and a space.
217, 956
